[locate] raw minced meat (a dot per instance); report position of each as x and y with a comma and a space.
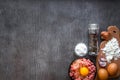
77, 64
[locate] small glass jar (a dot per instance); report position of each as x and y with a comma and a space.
81, 49
93, 31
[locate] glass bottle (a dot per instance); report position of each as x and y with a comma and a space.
93, 39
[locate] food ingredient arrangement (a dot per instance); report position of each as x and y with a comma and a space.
82, 69
108, 58
107, 61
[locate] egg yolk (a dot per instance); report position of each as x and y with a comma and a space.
84, 71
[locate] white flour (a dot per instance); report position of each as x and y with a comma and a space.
112, 50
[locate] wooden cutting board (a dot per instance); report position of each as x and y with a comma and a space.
113, 31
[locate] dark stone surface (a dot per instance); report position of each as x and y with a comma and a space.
37, 38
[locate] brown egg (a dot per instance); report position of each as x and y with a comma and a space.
105, 35
112, 69
102, 74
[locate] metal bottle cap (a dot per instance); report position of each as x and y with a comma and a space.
93, 26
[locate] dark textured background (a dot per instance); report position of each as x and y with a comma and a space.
37, 38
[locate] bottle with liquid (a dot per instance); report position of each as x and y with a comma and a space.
93, 31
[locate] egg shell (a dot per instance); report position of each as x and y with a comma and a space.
102, 74
112, 69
